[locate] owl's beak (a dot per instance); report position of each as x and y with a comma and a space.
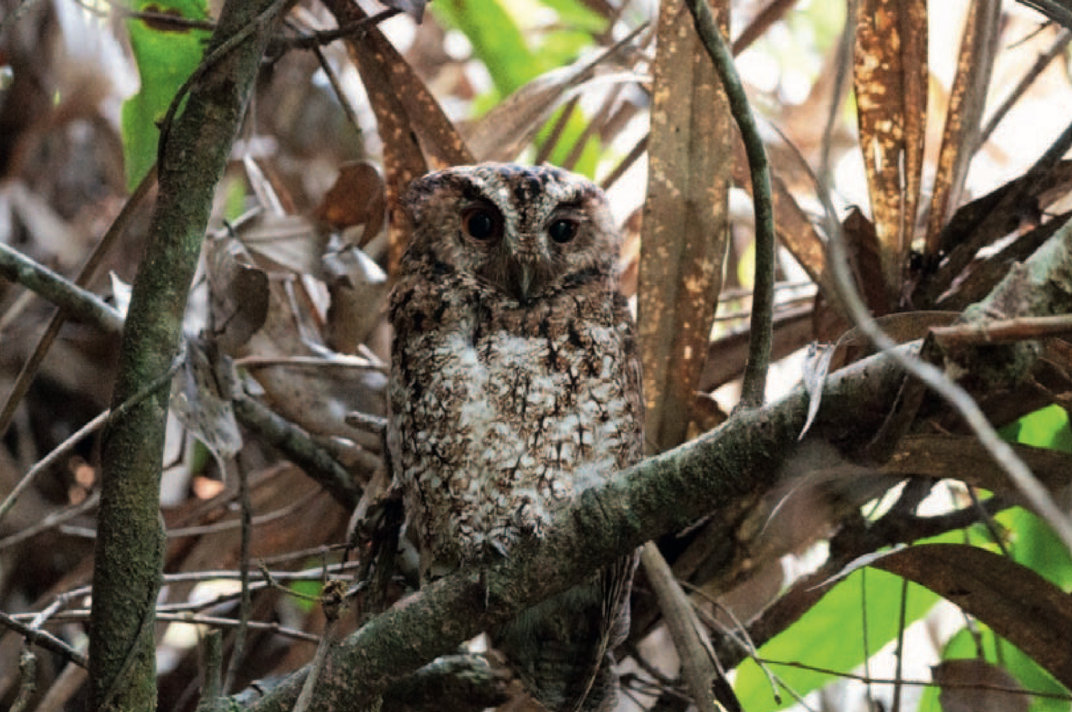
526, 277
525, 270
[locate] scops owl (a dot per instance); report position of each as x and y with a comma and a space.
515, 384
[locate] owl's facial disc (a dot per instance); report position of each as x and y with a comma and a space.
515, 264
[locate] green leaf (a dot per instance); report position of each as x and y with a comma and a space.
830, 636
165, 55
1036, 546
576, 14
500, 44
1047, 427
497, 40
308, 592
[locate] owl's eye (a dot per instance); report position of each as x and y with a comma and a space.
482, 224
562, 231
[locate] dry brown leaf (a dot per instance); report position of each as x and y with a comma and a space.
315, 396
890, 76
684, 231
862, 243
972, 685
358, 197
986, 273
502, 133
1017, 603
238, 293
965, 110
963, 458
902, 328
358, 289
815, 370
201, 397
292, 242
410, 122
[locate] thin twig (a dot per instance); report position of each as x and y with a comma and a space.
318, 38
918, 683
759, 346
54, 519
79, 303
1002, 331
85, 276
245, 605
44, 639
698, 665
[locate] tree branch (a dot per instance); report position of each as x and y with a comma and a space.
719, 476
130, 542
77, 302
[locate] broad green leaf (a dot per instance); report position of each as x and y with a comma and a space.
573, 13
1047, 427
500, 44
1033, 542
497, 40
831, 636
1036, 546
165, 55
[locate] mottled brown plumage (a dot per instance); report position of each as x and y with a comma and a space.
515, 384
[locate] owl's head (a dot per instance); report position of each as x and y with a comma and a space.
525, 231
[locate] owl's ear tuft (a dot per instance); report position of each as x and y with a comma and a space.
415, 197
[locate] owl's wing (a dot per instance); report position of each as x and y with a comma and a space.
616, 583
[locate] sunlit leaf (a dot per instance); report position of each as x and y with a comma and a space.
685, 228
966, 100
574, 13
831, 636
501, 133
1047, 427
497, 40
890, 77
166, 55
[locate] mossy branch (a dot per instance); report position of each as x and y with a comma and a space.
130, 541
719, 476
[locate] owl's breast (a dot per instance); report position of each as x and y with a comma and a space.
496, 422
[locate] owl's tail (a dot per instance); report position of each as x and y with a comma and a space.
561, 647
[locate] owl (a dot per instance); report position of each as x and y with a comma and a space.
515, 385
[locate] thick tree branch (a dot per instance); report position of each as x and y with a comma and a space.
725, 472
130, 542
720, 476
